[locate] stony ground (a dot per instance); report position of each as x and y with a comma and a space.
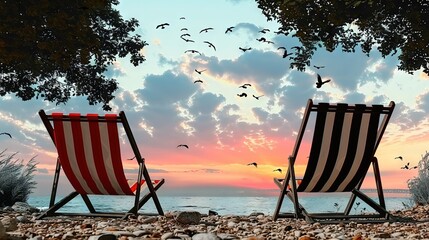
16, 225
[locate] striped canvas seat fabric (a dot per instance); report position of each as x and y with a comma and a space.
89, 153
342, 148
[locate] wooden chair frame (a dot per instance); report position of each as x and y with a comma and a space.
143, 176
289, 187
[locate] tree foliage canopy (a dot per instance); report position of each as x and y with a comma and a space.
391, 26
57, 49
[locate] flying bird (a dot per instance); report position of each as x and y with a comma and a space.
182, 18
192, 51
262, 39
188, 40
278, 169
229, 29
318, 67
162, 26
200, 71
245, 85
285, 54
269, 42
319, 82
399, 157
279, 32
407, 166
198, 81
185, 35
210, 45
257, 97
183, 145
253, 163
184, 29
5, 133
265, 30
206, 29
242, 95
245, 49
298, 48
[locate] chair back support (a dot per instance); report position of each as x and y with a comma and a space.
344, 142
89, 152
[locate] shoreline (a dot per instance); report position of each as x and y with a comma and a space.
195, 225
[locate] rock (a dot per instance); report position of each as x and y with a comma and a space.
205, 236
8, 209
167, 235
213, 213
36, 238
255, 214
68, 236
24, 207
103, 237
231, 224
188, 217
382, 235
22, 219
140, 233
357, 237
396, 235
147, 220
10, 224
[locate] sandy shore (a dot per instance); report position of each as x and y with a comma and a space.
256, 226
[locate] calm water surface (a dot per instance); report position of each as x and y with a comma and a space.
332, 202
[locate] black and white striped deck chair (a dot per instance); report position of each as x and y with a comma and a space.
345, 139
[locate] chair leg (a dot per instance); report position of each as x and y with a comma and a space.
371, 203
378, 182
55, 183
58, 205
88, 203
283, 192
146, 198
152, 191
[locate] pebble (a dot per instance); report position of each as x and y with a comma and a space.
190, 225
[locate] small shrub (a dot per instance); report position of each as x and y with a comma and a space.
419, 186
16, 179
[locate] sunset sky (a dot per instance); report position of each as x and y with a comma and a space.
225, 132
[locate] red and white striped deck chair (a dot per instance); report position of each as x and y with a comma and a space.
89, 154
345, 139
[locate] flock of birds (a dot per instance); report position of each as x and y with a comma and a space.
186, 36
406, 166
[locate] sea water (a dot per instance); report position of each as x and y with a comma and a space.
328, 202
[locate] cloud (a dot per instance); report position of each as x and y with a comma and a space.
150, 170
115, 70
205, 170
423, 102
166, 89
264, 69
251, 28
163, 61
